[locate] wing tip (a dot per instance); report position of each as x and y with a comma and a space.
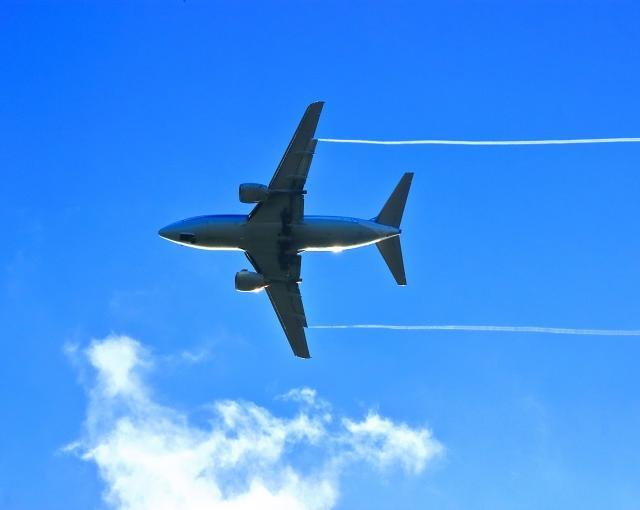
301, 350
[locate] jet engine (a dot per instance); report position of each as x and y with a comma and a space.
251, 193
248, 281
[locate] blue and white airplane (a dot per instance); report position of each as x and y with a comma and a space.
276, 232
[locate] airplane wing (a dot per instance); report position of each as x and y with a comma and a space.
286, 203
284, 294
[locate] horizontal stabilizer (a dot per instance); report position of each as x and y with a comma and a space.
392, 254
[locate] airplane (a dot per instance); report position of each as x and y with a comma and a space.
277, 231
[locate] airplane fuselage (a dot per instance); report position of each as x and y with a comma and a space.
276, 232
313, 233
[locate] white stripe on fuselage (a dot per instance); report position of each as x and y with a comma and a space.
338, 249
201, 247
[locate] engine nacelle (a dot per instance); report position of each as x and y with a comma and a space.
248, 281
251, 193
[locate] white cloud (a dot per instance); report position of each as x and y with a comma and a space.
194, 357
384, 443
306, 395
117, 360
152, 458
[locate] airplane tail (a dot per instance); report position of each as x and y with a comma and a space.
392, 254
391, 214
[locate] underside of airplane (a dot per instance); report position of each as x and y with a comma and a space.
276, 232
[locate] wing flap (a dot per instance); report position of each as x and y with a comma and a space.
294, 165
287, 303
285, 297
287, 183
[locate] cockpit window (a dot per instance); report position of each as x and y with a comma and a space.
187, 237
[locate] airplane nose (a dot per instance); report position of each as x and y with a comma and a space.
167, 232
178, 232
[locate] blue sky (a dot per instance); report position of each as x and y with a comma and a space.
118, 119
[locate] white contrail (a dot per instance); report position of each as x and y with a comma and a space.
506, 329
484, 142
